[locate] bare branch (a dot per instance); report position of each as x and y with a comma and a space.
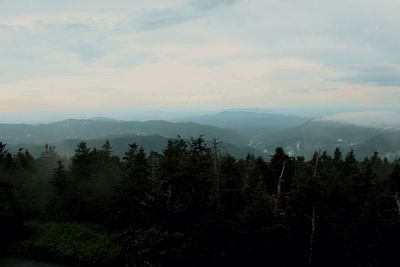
312, 236
279, 188
397, 199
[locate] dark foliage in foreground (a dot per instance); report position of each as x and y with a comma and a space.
192, 206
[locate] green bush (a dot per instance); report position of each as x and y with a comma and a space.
71, 243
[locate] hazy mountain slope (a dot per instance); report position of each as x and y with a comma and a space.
387, 143
248, 123
301, 138
325, 135
120, 145
375, 119
92, 129
365, 132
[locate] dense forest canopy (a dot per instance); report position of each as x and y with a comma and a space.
192, 205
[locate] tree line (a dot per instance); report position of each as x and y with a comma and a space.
193, 206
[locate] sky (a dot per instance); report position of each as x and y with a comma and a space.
109, 55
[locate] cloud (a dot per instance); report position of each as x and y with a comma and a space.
165, 17
210, 4
167, 83
156, 19
199, 52
372, 74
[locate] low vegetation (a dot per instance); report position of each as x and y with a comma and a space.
68, 243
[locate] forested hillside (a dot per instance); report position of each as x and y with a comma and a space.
320, 135
119, 143
101, 128
246, 122
192, 205
242, 133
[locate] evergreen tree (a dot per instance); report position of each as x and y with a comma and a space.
9, 221
62, 200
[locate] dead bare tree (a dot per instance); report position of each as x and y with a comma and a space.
313, 217
312, 235
169, 194
279, 188
397, 199
316, 165
217, 181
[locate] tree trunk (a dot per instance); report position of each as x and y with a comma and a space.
216, 169
397, 198
312, 236
316, 165
169, 194
279, 188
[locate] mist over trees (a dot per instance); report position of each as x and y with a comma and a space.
192, 205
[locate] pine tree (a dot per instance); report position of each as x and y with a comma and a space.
63, 197
81, 162
9, 221
60, 179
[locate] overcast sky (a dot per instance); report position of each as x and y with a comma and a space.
158, 54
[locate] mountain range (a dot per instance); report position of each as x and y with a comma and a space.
100, 128
242, 132
246, 122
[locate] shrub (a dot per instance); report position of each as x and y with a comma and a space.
71, 243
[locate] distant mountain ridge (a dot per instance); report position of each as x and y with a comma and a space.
320, 135
242, 131
120, 145
94, 128
249, 123
376, 119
